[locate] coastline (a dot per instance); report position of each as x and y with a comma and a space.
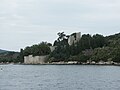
67, 64
74, 64
116, 64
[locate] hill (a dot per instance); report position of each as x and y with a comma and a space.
2, 51
8, 56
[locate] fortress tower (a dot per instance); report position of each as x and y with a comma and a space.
74, 38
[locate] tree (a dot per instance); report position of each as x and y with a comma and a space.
21, 57
116, 54
27, 51
61, 52
103, 54
37, 49
85, 42
61, 36
98, 41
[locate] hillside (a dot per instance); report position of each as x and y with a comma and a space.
2, 51
8, 56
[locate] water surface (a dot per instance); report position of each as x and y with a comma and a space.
59, 77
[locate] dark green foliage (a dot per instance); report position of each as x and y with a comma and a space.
74, 49
80, 58
37, 50
83, 58
64, 51
116, 54
61, 53
98, 47
98, 41
9, 57
102, 54
27, 51
86, 42
110, 51
21, 56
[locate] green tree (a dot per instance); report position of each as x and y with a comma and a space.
37, 50
21, 57
98, 41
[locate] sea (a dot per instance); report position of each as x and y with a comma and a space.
59, 77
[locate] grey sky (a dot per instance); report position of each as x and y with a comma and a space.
28, 22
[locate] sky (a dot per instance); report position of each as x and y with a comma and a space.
27, 22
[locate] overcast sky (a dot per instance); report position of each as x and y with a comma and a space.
28, 22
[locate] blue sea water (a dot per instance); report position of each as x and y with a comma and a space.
59, 77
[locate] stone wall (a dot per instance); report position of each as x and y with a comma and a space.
35, 59
52, 48
74, 38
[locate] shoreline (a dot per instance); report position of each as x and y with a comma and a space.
75, 64
60, 64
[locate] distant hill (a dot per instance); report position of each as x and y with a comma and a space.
3, 51
9, 56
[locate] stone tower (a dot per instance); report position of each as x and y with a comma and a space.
74, 38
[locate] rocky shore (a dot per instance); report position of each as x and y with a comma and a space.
65, 63
77, 63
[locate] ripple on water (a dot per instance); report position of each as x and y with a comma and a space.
59, 77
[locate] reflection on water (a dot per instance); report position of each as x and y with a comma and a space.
59, 77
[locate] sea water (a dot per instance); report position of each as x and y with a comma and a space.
59, 77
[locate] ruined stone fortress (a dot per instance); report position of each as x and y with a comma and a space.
35, 59
73, 38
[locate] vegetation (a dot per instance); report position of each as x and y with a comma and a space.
88, 48
9, 57
2, 51
37, 50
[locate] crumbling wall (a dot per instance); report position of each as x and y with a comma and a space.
35, 59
